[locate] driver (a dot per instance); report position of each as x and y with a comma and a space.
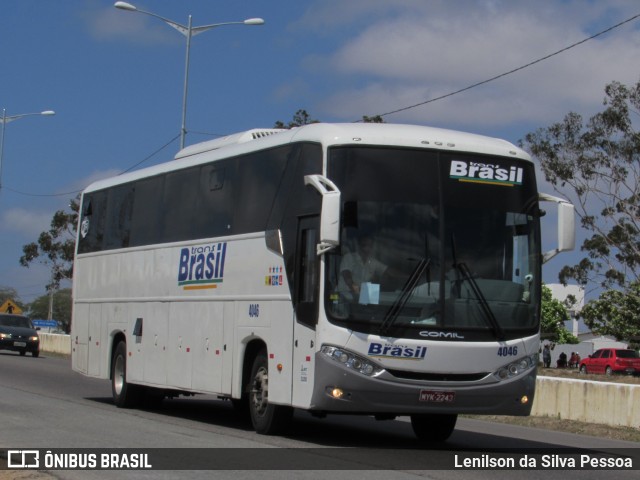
359, 267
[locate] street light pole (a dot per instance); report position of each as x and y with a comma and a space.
188, 31
10, 118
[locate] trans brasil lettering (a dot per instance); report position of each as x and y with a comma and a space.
485, 173
400, 352
202, 266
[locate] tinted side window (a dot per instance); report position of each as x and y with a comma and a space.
258, 179
93, 214
179, 205
147, 211
118, 224
215, 203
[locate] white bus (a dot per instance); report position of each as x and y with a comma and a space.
377, 269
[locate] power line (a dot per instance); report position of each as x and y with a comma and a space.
483, 82
75, 192
152, 154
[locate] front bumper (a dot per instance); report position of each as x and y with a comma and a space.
19, 345
387, 394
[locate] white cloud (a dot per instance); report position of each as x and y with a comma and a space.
423, 53
26, 223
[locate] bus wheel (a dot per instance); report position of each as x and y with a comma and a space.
433, 427
124, 394
267, 419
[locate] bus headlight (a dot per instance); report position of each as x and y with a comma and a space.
516, 368
351, 360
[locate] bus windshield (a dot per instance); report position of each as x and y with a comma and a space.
434, 245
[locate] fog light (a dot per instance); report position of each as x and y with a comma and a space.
337, 393
524, 400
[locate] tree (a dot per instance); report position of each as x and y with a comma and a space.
56, 246
554, 314
301, 117
39, 308
374, 119
615, 313
597, 165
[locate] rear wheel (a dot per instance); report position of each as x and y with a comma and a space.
124, 394
267, 418
433, 427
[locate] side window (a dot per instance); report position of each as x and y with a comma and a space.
118, 225
307, 272
606, 353
179, 204
92, 222
597, 354
215, 201
147, 211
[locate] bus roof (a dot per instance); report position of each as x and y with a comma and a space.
327, 134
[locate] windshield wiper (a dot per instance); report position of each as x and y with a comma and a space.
489, 317
392, 314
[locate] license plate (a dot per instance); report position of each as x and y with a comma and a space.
19, 344
437, 396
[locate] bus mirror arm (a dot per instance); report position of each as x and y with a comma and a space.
330, 216
566, 226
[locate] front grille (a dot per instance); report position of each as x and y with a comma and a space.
438, 377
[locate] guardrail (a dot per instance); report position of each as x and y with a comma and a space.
606, 403
55, 343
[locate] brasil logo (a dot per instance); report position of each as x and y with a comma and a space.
201, 267
474, 172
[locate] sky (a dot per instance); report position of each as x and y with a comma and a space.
115, 80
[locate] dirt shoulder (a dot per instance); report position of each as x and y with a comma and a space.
581, 428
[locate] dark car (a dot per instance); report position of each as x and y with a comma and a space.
18, 334
610, 361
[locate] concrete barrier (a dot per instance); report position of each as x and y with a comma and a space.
55, 343
606, 403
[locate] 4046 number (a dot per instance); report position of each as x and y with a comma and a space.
507, 351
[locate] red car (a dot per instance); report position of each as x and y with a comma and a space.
610, 361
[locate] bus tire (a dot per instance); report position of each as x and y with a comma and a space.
433, 427
124, 394
267, 418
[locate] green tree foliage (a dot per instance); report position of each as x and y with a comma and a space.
61, 311
56, 246
554, 314
301, 117
597, 164
615, 313
374, 119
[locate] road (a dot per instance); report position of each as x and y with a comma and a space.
46, 405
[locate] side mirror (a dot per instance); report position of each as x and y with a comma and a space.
330, 216
566, 226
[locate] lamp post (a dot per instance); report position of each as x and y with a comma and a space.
188, 31
10, 118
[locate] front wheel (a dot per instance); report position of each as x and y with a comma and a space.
124, 394
433, 427
583, 369
608, 371
267, 418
